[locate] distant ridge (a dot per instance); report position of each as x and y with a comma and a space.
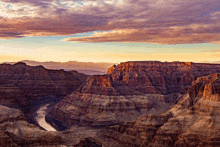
88, 68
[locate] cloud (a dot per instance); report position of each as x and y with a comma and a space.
158, 21
169, 35
29, 2
4, 58
212, 51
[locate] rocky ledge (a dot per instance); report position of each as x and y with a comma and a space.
136, 104
193, 121
206, 87
37, 81
154, 77
128, 91
15, 131
21, 84
100, 110
26, 87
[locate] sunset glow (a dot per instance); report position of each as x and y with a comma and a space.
109, 30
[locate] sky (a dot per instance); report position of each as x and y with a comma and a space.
110, 30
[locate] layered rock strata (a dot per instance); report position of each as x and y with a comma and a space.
118, 100
128, 91
154, 77
27, 87
15, 131
158, 77
193, 121
101, 110
21, 84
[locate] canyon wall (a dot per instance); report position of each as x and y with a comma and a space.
193, 121
20, 83
128, 91
133, 78
135, 104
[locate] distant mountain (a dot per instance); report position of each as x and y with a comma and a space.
217, 62
213, 62
33, 82
88, 68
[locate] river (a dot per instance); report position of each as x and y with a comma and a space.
40, 118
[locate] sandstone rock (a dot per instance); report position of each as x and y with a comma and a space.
15, 131
23, 86
126, 92
118, 100
100, 85
34, 82
81, 76
193, 121
111, 69
101, 110
88, 142
206, 87
133, 78
11, 96
165, 77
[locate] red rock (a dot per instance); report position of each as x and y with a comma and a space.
99, 84
36, 82
193, 121
151, 77
206, 87
130, 89
111, 69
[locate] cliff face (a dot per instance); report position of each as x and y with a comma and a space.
193, 121
129, 90
134, 99
31, 83
99, 85
15, 131
133, 78
22, 88
206, 87
102, 110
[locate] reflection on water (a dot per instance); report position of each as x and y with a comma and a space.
41, 113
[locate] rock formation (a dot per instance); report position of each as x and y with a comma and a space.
26, 87
130, 90
193, 121
31, 83
22, 89
15, 131
81, 76
100, 110
135, 104
133, 78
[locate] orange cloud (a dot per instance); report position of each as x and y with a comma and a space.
210, 50
169, 35
158, 21
4, 58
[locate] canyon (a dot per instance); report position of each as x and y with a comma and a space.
193, 121
129, 90
141, 103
